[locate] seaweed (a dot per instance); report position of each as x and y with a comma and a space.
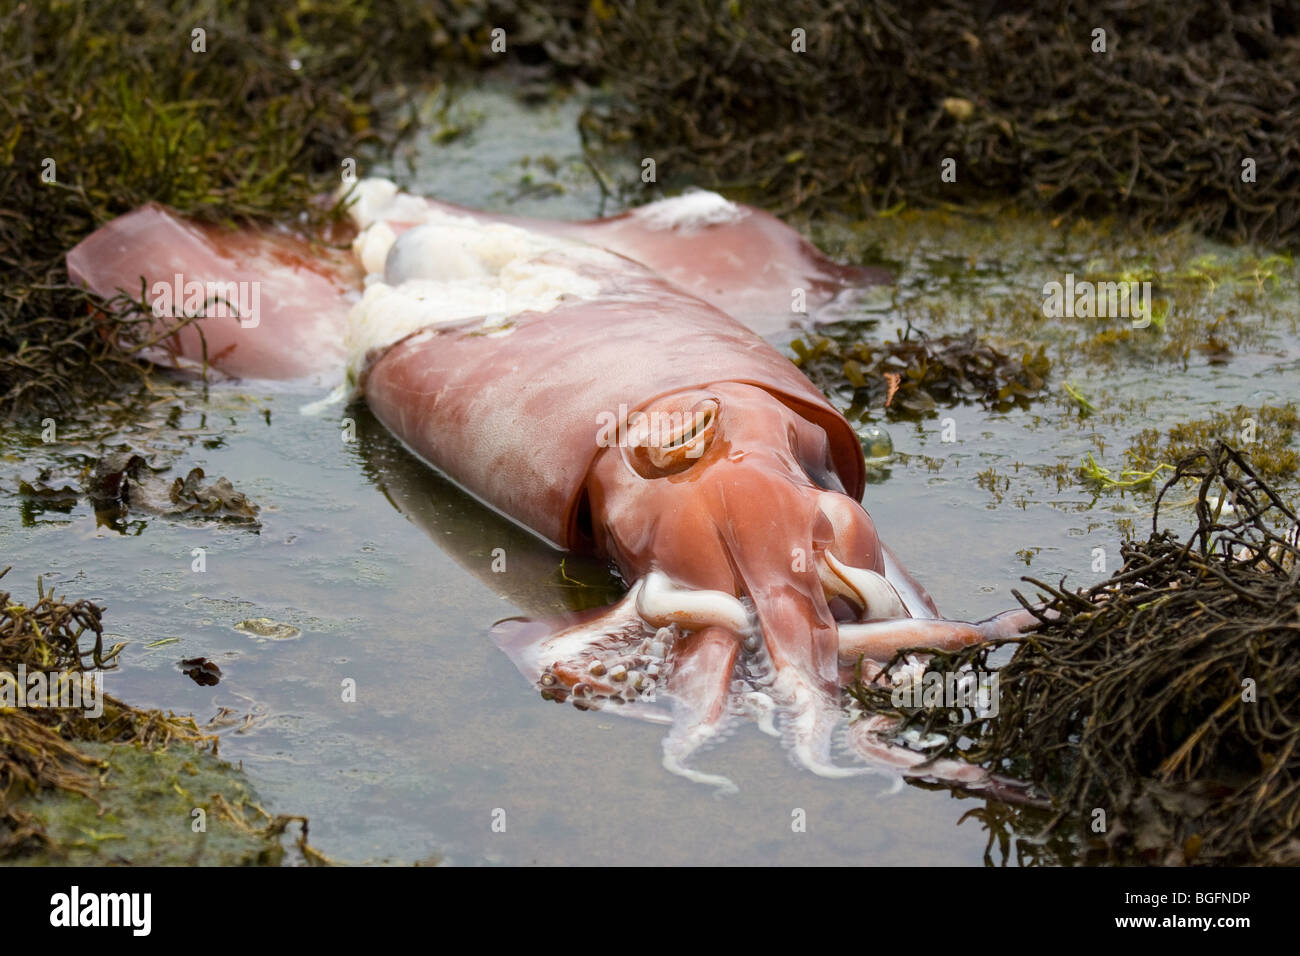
1266, 434
124, 482
911, 376
37, 745
48, 749
1155, 713
1160, 113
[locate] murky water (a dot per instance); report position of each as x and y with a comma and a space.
444, 737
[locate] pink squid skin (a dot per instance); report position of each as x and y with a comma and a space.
302, 289
743, 519
770, 495
516, 419
761, 522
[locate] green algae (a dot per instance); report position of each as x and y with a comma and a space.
1265, 434
982, 269
160, 807
985, 268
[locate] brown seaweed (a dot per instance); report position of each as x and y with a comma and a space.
912, 376
1157, 711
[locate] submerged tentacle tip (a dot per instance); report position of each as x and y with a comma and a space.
674, 765
762, 709
687, 739
896, 787
823, 766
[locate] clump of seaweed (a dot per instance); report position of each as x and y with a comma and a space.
913, 375
1157, 710
124, 482
50, 748
38, 745
128, 457
818, 104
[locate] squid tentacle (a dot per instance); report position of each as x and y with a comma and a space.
880, 640
711, 661
701, 684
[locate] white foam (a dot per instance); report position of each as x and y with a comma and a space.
378, 199
689, 212
371, 247
448, 268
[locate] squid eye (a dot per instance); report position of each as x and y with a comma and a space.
813, 453
669, 442
824, 477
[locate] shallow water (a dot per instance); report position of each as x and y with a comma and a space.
445, 737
